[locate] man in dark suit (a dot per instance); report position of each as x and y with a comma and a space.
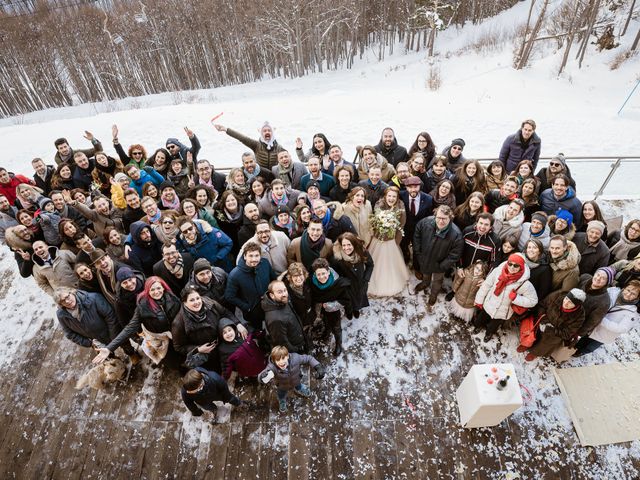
418, 205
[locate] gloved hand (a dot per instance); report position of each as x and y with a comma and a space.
512, 295
319, 372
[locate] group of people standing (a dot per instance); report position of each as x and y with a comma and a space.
270, 256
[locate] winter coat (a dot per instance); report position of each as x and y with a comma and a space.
126, 301
394, 154
265, 157
294, 253
425, 209
214, 246
619, 319
217, 285
565, 272
499, 306
147, 174
268, 209
560, 327
326, 183
241, 355
292, 179
526, 235
48, 222
622, 245
183, 149
59, 274
437, 252
388, 170
291, 377
284, 326
100, 221
544, 179
502, 227
245, 285
540, 275
591, 258
215, 390
478, 247
373, 193
360, 219
9, 189
359, 274
337, 292
144, 255
205, 331
495, 199
339, 223
567, 233
275, 252
466, 287
175, 284
595, 305
301, 302
7, 221
513, 152
83, 177
44, 184
626, 273
97, 320
550, 204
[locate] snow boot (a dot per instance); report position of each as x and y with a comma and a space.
303, 390
282, 405
337, 350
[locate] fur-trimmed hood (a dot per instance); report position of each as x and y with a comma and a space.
570, 261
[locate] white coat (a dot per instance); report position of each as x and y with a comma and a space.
618, 320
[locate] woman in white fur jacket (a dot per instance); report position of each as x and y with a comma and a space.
507, 285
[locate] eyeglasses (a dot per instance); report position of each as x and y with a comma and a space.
514, 265
66, 298
189, 229
136, 153
422, 141
266, 232
168, 222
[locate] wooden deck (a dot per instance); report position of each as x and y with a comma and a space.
385, 410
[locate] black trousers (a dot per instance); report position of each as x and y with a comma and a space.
483, 320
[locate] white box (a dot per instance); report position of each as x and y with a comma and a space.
480, 402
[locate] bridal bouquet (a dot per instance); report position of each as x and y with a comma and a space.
385, 224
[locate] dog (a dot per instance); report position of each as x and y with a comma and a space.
155, 345
110, 371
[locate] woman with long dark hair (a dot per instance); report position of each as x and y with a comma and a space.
444, 194
320, 148
228, 214
468, 178
424, 145
352, 260
591, 211
467, 213
495, 175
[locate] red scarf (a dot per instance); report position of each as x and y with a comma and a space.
506, 278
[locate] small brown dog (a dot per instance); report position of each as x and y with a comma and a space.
109, 371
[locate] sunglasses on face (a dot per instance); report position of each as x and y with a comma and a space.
554, 164
185, 230
136, 153
456, 148
514, 265
168, 222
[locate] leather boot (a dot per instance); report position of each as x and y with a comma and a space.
338, 337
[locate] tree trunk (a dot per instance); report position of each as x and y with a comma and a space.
526, 31
569, 39
626, 24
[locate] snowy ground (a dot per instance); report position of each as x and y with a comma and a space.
482, 99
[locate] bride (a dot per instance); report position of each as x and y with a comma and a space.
390, 274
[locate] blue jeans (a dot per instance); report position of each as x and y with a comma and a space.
282, 394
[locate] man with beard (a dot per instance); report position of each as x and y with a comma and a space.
273, 246
374, 187
537, 229
504, 196
106, 271
313, 244
250, 219
145, 248
266, 148
284, 327
418, 205
335, 155
593, 251
206, 175
561, 196
82, 173
248, 282
168, 198
134, 211
102, 215
53, 268
564, 260
215, 245
557, 166
174, 268
525, 144
402, 173
64, 153
7, 216
388, 147
67, 211
325, 182
288, 171
210, 281
20, 240
252, 170
43, 174
334, 223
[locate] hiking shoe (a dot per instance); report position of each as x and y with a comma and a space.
303, 390
282, 405
449, 296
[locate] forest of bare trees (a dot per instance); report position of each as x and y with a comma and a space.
57, 53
